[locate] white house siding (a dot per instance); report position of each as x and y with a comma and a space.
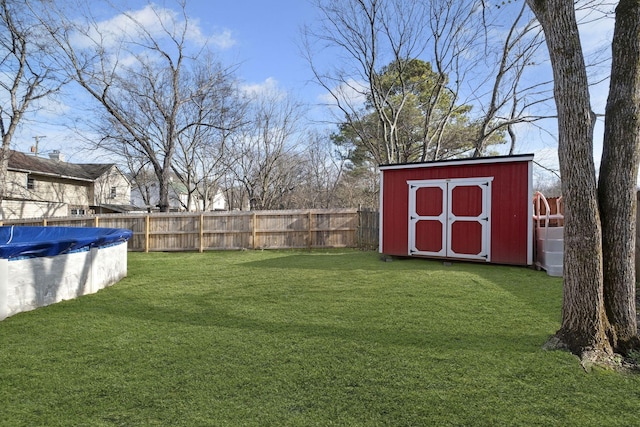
39, 187
16, 185
104, 184
47, 189
17, 209
219, 202
73, 193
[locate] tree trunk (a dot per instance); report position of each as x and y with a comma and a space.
618, 178
584, 322
163, 191
4, 166
163, 196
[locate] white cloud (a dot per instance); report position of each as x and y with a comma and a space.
157, 22
223, 40
270, 85
351, 92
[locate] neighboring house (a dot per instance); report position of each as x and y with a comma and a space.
178, 197
40, 187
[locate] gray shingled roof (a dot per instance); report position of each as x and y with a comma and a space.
82, 171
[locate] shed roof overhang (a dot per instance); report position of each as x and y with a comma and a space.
456, 162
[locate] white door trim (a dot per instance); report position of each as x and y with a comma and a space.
447, 217
414, 218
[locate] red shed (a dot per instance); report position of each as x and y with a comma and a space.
471, 209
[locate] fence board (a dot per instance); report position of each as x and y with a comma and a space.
286, 229
368, 229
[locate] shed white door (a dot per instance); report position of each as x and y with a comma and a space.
450, 218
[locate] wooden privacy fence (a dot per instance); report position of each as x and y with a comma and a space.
315, 228
368, 229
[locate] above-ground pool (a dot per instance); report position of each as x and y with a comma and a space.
44, 265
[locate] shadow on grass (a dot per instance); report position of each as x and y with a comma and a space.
526, 284
335, 260
535, 289
427, 323
437, 337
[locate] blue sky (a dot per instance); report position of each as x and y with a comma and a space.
260, 38
266, 41
266, 35
263, 39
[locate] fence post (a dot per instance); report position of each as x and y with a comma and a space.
254, 223
201, 232
360, 231
310, 229
146, 233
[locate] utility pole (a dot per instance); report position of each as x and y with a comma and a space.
34, 149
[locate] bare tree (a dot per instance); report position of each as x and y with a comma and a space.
267, 165
506, 103
367, 35
322, 171
141, 176
203, 153
598, 311
28, 75
142, 75
454, 45
472, 95
359, 187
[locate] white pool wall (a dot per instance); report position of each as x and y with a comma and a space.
26, 284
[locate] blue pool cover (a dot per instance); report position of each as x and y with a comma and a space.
17, 242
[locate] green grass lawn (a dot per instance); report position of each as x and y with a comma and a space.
297, 338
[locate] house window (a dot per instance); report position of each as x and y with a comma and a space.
31, 183
114, 192
76, 212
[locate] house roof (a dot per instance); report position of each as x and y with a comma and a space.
118, 208
460, 161
81, 171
